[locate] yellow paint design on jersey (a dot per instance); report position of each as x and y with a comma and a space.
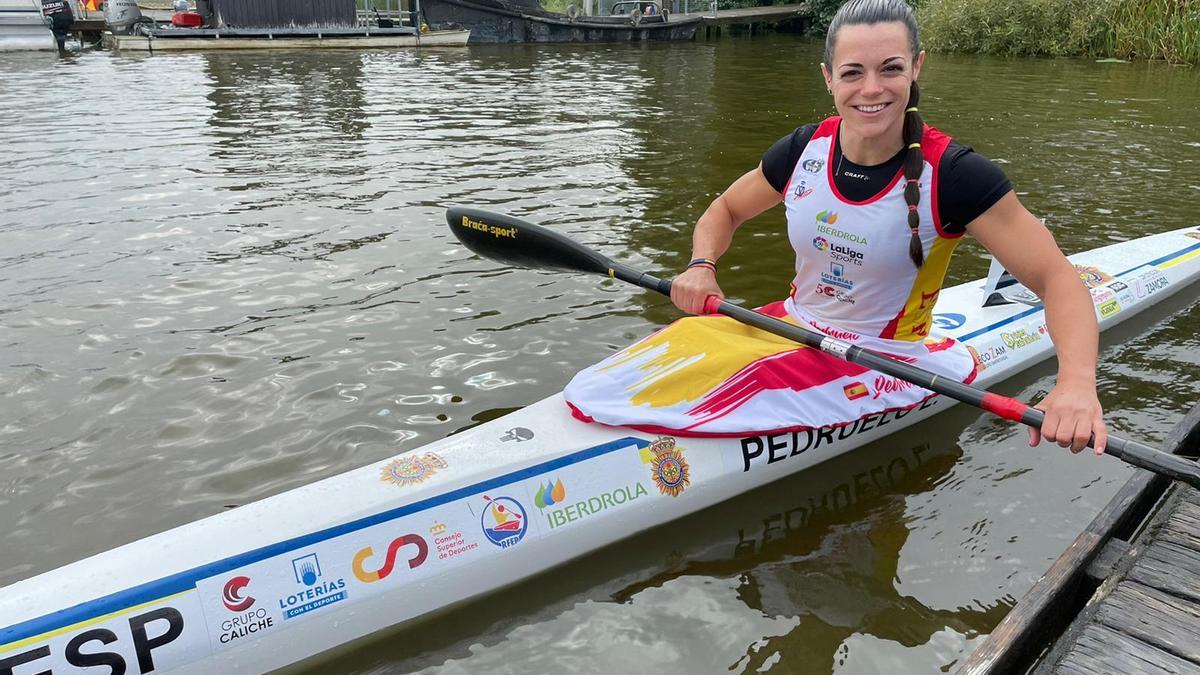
918, 309
710, 349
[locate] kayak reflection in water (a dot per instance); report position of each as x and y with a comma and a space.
876, 202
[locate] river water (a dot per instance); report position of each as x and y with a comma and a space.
225, 275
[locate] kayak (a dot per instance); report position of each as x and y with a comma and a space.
284, 579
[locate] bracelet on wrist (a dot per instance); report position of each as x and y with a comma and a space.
703, 262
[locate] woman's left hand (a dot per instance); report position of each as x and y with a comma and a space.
1073, 416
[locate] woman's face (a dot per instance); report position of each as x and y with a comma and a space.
872, 69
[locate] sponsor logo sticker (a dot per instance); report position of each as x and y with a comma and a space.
812, 165
232, 597
1150, 282
949, 320
518, 434
412, 469
593, 504
504, 521
1019, 338
1109, 308
668, 469
450, 543
247, 620
318, 592
1092, 276
415, 558
549, 494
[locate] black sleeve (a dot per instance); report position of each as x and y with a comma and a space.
780, 159
969, 184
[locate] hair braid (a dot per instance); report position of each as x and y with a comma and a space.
914, 164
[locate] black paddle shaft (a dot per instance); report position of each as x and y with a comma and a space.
522, 243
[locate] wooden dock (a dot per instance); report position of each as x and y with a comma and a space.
745, 15
1124, 597
714, 22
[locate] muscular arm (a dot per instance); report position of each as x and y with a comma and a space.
1028, 251
748, 196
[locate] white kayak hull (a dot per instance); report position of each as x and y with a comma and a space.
289, 577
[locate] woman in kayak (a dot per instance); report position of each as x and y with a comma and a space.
876, 202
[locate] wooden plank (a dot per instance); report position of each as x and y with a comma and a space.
1164, 621
1040, 615
1061, 593
1182, 527
1100, 649
1170, 568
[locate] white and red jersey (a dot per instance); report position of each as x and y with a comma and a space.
712, 376
853, 270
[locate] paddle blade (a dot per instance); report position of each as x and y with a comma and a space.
519, 242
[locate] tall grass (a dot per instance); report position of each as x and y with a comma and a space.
1149, 29
1156, 29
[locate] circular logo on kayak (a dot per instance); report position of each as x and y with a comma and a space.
669, 470
504, 521
949, 320
412, 469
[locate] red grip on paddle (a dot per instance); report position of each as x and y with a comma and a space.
1008, 408
712, 304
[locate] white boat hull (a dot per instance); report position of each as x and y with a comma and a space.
22, 27
275, 582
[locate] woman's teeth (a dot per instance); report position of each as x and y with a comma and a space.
871, 108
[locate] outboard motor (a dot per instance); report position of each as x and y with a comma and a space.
123, 17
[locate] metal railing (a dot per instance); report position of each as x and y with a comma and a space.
379, 13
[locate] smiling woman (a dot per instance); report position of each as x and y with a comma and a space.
876, 202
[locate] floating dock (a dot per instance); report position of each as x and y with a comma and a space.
262, 39
1125, 595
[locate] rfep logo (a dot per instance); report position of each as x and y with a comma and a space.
232, 598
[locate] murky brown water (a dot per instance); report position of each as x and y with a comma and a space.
239, 282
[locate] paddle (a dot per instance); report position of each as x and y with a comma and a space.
519, 242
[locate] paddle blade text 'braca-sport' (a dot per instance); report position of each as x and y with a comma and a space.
519, 242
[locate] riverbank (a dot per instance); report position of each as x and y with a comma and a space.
1167, 30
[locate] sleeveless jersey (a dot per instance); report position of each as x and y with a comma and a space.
853, 270
711, 376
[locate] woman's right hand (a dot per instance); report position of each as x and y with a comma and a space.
692, 287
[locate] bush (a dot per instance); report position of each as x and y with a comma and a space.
1015, 27
1159, 29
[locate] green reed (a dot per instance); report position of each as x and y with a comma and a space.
1144, 29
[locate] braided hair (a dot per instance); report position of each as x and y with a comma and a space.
856, 12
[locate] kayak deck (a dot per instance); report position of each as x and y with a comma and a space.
288, 577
